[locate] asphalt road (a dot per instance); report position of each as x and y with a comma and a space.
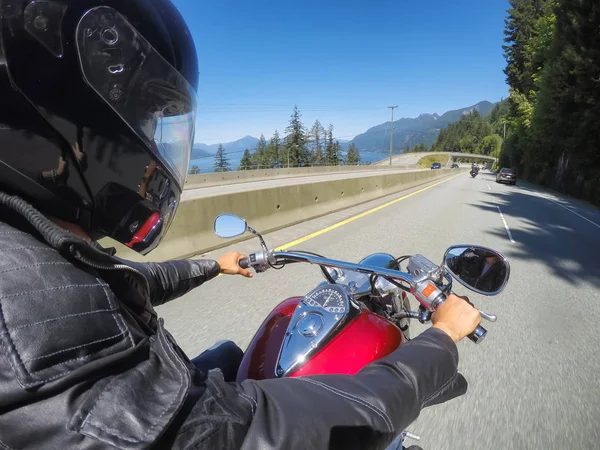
535, 380
277, 182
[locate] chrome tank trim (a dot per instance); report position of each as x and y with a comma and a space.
311, 328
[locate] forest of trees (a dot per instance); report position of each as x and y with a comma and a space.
553, 70
299, 147
551, 119
474, 133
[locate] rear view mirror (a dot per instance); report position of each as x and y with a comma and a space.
229, 225
480, 269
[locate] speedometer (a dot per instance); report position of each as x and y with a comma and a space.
329, 299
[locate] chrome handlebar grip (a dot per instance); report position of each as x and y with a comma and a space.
259, 260
478, 334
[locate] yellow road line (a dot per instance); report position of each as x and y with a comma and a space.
356, 217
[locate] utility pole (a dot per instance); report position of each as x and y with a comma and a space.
391, 131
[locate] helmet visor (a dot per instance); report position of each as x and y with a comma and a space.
149, 94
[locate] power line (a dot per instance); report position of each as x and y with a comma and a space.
287, 107
335, 137
349, 136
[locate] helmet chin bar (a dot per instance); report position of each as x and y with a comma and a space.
139, 223
147, 235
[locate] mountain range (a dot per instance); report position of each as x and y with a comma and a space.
204, 150
407, 132
412, 131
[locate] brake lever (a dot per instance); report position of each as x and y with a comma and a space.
488, 317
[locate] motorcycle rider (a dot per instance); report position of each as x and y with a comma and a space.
97, 113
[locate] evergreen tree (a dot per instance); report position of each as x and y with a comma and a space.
331, 158
420, 147
490, 145
353, 156
273, 148
194, 170
337, 156
221, 160
553, 64
462, 136
529, 33
564, 138
317, 138
499, 117
295, 141
246, 161
260, 157
521, 27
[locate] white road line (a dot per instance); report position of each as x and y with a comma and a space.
577, 214
541, 195
489, 188
506, 225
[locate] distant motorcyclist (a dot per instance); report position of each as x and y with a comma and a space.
97, 115
474, 170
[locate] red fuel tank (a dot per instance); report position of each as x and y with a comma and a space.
367, 338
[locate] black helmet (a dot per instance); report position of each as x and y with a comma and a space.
97, 112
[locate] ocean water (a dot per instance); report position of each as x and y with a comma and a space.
206, 165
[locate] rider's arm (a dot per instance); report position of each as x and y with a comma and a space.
367, 410
170, 280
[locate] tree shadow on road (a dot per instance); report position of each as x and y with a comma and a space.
545, 232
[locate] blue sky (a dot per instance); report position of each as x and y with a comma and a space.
342, 62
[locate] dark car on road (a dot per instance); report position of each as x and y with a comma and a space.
436, 166
454, 166
506, 175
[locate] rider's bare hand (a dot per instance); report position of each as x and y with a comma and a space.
229, 264
456, 317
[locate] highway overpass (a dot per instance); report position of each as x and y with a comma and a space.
407, 159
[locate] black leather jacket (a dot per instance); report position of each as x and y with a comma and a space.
85, 362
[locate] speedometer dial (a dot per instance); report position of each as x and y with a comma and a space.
329, 299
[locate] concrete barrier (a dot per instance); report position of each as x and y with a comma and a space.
242, 176
191, 232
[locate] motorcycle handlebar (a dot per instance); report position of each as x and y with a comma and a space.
478, 334
257, 259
